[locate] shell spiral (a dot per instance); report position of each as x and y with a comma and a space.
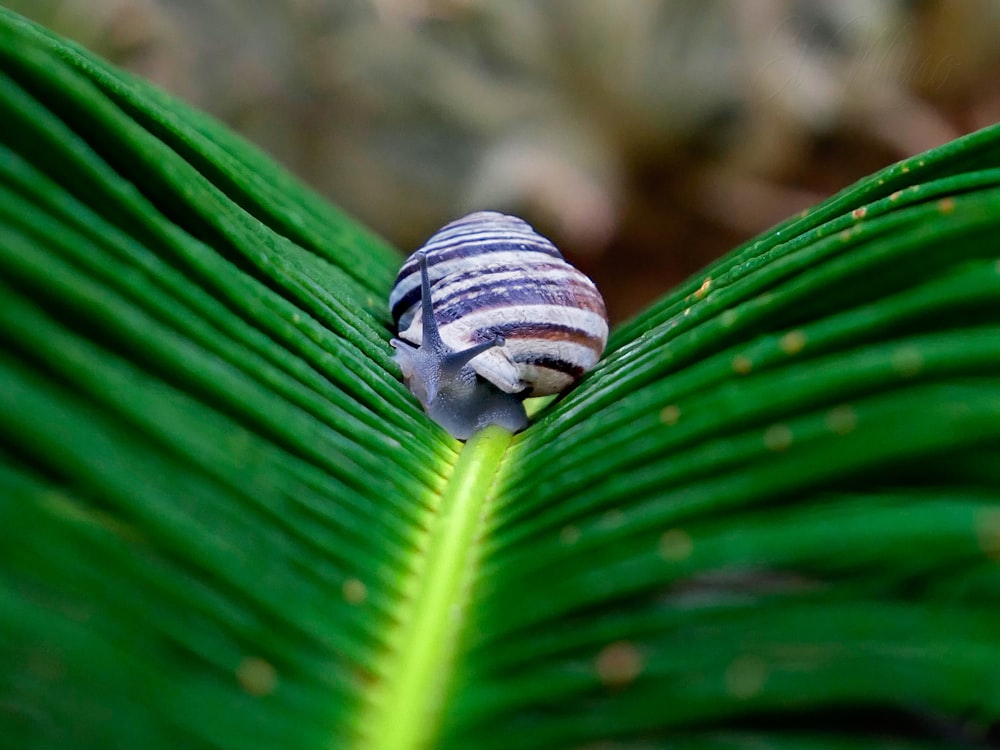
493, 277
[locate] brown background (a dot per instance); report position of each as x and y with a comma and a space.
646, 137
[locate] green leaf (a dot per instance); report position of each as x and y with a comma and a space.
769, 518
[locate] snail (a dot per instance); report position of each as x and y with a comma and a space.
488, 314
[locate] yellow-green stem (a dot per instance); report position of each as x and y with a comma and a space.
406, 712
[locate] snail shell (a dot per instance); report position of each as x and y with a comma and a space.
489, 313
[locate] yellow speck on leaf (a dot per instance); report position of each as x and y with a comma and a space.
742, 365
745, 677
612, 519
778, 437
675, 545
670, 414
618, 664
569, 535
988, 532
793, 342
354, 591
703, 289
256, 676
842, 419
907, 361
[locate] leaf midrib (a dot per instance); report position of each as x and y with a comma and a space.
404, 712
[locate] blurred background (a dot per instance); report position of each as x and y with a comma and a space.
645, 137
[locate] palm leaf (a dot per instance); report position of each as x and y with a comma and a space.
768, 518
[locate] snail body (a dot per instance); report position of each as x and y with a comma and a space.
489, 313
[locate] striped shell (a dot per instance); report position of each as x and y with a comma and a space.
493, 275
